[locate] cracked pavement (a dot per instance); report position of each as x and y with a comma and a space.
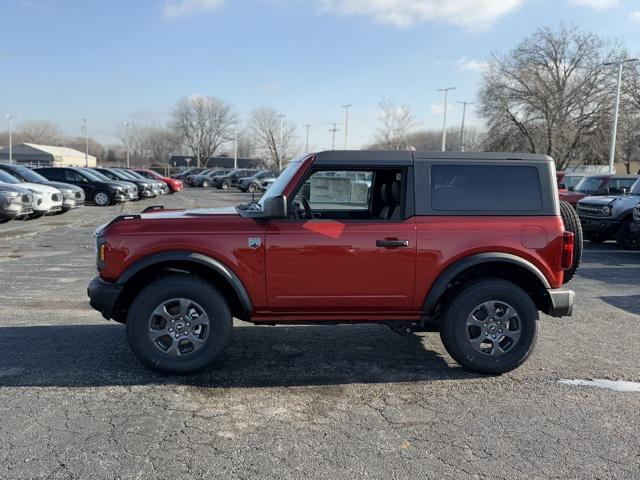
301, 401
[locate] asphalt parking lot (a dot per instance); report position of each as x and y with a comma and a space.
302, 402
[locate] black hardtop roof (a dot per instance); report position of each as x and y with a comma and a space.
409, 157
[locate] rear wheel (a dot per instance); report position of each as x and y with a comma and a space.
179, 325
253, 188
572, 224
206, 184
225, 185
624, 238
101, 198
489, 326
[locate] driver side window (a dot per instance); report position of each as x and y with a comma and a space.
351, 194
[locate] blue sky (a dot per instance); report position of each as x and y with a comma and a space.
116, 60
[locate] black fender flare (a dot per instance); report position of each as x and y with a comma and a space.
440, 286
192, 257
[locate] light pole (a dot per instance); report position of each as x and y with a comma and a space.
614, 126
346, 124
86, 143
126, 142
281, 153
334, 128
10, 138
444, 119
464, 113
307, 126
235, 149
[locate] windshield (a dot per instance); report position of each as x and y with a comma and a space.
123, 174
30, 176
95, 176
282, 181
589, 184
635, 188
6, 178
132, 175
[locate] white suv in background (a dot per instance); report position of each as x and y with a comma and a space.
46, 199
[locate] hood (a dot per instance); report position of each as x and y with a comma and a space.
39, 188
601, 201
64, 186
9, 187
194, 212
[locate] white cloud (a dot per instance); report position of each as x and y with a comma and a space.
597, 4
635, 16
471, 64
404, 13
182, 8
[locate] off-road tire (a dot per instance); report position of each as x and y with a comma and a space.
623, 238
572, 224
179, 286
461, 305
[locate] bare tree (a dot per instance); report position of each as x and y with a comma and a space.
274, 136
547, 95
40, 132
162, 143
95, 148
397, 121
203, 124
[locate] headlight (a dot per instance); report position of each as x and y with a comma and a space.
607, 210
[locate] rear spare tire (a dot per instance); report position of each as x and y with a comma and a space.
572, 224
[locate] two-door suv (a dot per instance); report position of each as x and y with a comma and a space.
470, 245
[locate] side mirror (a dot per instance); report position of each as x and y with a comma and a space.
562, 186
572, 189
275, 207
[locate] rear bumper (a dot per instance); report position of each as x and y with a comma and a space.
560, 302
103, 296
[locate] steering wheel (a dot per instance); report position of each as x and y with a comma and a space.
307, 207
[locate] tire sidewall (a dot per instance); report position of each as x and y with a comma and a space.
209, 299
454, 329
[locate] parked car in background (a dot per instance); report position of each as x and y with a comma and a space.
568, 181
232, 178
145, 188
174, 185
15, 202
254, 182
265, 184
159, 187
72, 196
97, 188
190, 179
46, 199
206, 179
182, 176
610, 217
598, 185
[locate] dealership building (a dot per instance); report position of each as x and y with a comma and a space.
46, 156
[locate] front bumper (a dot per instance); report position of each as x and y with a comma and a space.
599, 225
634, 228
103, 296
560, 302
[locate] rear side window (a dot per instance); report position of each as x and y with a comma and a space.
485, 188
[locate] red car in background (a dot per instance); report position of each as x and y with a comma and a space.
174, 185
598, 185
568, 180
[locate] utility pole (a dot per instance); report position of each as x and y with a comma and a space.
464, 114
307, 126
235, 149
86, 143
616, 110
280, 154
346, 124
444, 119
10, 138
126, 141
334, 128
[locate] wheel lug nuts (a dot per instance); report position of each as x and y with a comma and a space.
494, 336
171, 329
177, 335
500, 331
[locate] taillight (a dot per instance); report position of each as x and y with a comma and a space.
568, 245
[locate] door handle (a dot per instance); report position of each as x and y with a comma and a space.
392, 243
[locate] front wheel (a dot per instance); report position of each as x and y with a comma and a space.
101, 198
206, 184
624, 239
179, 325
253, 188
489, 326
225, 185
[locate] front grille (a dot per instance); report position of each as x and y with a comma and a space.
590, 210
55, 197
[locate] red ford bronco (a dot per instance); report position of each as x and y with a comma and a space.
470, 245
